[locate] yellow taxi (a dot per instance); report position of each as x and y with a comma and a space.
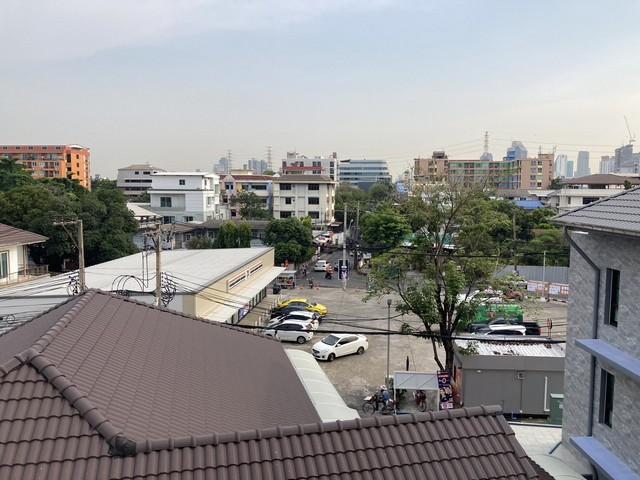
303, 303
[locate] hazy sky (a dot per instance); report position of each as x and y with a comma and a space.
179, 82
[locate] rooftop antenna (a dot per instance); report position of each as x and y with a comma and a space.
485, 147
632, 137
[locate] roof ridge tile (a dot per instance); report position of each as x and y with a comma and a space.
216, 438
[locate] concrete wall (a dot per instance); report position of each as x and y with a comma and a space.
13, 264
493, 380
607, 251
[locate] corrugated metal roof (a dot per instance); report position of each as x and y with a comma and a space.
515, 349
617, 214
10, 236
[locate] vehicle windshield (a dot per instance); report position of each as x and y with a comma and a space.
330, 340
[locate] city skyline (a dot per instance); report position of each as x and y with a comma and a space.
178, 84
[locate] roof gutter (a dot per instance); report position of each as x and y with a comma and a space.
594, 325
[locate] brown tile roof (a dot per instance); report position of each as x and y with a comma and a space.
601, 179
16, 236
120, 390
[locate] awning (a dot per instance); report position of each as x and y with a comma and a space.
230, 302
415, 381
324, 396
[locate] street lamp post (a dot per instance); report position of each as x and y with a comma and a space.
388, 337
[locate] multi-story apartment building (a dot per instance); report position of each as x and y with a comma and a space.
364, 173
506, 175
601, 412
296, 164
232, 185
135, 180
185, 196
52, 161
302, 196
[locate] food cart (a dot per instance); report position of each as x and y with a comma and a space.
286, 280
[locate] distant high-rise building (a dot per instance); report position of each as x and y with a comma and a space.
582, 164
258, 167
52, 161
364, 173
569, 168
517, 151
222, 167
560, 166
606, 164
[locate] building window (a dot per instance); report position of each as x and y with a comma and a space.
612, 297
146, 173
165, 202
314, 215
168, 219
285, 186
136, 173
181, 182
314, 186
188, 218
314, 201
288, 200
285, 214
4, 264
607, 383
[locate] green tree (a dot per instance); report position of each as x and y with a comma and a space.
351, 196
291, 238
440, 294
244, 235
13, 174
382, 192
252, 207
384, 230
234, 235
200, 242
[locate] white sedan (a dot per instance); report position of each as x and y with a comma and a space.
339, 345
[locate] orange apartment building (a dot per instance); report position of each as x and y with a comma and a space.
52, 161
510, 176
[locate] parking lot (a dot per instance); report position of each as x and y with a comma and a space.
356, 376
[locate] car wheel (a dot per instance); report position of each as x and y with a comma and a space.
301, 340
360, 351
331, 357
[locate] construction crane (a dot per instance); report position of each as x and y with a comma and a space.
632, 137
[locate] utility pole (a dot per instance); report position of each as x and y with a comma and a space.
513, 247
344, 250
386, 380
355, 253
158, 242
80, 246
544, 265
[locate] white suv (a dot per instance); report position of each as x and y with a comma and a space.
307, 322
290, 331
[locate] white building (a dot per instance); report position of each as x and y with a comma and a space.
221, 285
296, 164
364, 173
185, 196
581, 191
15, 264
302, 196
560, 166
135, 180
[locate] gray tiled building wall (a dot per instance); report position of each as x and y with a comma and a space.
620, 253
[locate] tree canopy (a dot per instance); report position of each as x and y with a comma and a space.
252, 207
291, 238
35, 204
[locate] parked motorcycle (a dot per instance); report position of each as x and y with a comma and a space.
372, 404
421, 399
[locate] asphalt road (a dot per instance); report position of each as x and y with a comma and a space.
355, 280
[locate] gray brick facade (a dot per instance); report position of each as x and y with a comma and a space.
620, 253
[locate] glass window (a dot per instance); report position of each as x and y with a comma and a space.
314, 201
285, 186
165, 202
136, 173
607, 384
314, 215
612, 297
288, 200
285, 214
314, 186
4, 264
182, 181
